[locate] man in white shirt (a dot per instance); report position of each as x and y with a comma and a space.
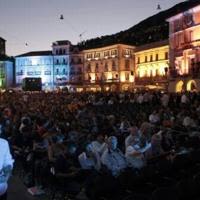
6, 165
99, 144
133, 136
113, 158
90, 159
154, 117
135, 154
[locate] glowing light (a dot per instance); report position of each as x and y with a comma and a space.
109, 76
122, 77
35, 61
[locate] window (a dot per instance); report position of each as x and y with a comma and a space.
30, 73
97, 55
79, 61
127, 76
64, 51
64, 61
113, 66
166, 56
37, 73
47, 73
88, 67
57, 62
97, 67
157, 72
20, 73
151, 58
127, 64
151, 73
145, 58
106, 66
64, 71
157, 57
79, 70
57, 71
72, 61
138, 61
106, 53
190, 36
89, 56
114, 52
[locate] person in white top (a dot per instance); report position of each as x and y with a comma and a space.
140, 99
99, 144
165, 100
90, 159
133, 136
113, 159
184, 99
135, 154
154, 117
6, 165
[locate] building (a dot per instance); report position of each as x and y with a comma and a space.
184, 36
2, 46
61, 62
6, 72
76, 79
6, 67
61, 67
152, 65
109, 68
37, 64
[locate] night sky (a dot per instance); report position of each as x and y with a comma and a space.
37, 22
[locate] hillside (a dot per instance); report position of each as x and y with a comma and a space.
152, 29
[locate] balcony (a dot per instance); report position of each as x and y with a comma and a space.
150, 80
194, 72
102, 81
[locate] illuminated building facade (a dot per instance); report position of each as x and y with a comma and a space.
57, 68
109, 68
152, 65
184, 34
35, 65
61, 53
76, 69
6, 73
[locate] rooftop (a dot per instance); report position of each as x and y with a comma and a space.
2, 39
62, 42
152, 45
36, 53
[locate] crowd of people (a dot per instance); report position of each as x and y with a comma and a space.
105, 145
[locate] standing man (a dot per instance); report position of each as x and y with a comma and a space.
6, 166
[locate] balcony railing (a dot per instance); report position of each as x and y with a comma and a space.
114, 80
194, 72
151, 79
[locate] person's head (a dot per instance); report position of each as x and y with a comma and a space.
72, 149
100, 138
156, 139
133, 130
112, 143
89, 149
